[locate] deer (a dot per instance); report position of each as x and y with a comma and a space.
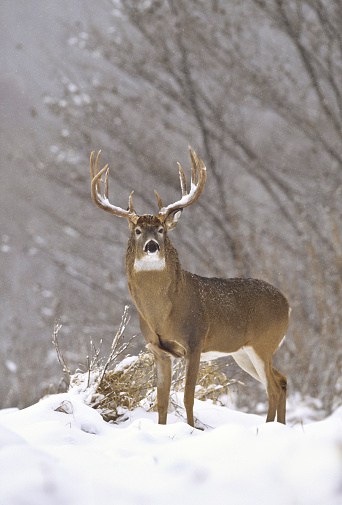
184, 315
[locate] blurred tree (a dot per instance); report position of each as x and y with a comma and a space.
256, 87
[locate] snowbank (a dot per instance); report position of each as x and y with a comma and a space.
61, 452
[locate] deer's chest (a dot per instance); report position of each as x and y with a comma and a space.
152, 298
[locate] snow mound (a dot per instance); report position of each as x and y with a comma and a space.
60, 451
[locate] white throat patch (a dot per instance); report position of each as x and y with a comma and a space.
149, 262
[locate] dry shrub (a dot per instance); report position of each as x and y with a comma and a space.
125, 388
132, 384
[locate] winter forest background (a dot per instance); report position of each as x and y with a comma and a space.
255, 86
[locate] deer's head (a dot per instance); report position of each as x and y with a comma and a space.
149, 232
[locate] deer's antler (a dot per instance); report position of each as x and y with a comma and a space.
198, 178
100, 199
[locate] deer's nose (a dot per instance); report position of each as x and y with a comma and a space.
151, 247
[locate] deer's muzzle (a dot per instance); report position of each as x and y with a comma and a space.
151, 247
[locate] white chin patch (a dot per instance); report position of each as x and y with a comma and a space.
149, 262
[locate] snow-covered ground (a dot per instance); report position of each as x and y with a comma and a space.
60, 451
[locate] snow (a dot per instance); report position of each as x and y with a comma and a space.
11, 366
60, 451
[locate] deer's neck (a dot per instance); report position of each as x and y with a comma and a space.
153, 290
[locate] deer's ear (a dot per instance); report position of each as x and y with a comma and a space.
172, 219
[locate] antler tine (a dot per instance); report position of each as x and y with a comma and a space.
159, 200
130, 203
197, 165
198, 178
182, 179
92, 167
97, 170
193, 169
106, 190
102, 200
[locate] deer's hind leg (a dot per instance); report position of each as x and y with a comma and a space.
282, 385
274, 382
276, 391
270, 380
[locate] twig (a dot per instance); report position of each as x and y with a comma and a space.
60, 357
94, 360
115, 350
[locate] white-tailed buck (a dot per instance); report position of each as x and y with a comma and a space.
185, 315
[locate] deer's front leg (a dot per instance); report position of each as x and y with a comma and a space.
164, 371
192, 366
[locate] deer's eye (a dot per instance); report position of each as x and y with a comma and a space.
161, 231
137, 231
